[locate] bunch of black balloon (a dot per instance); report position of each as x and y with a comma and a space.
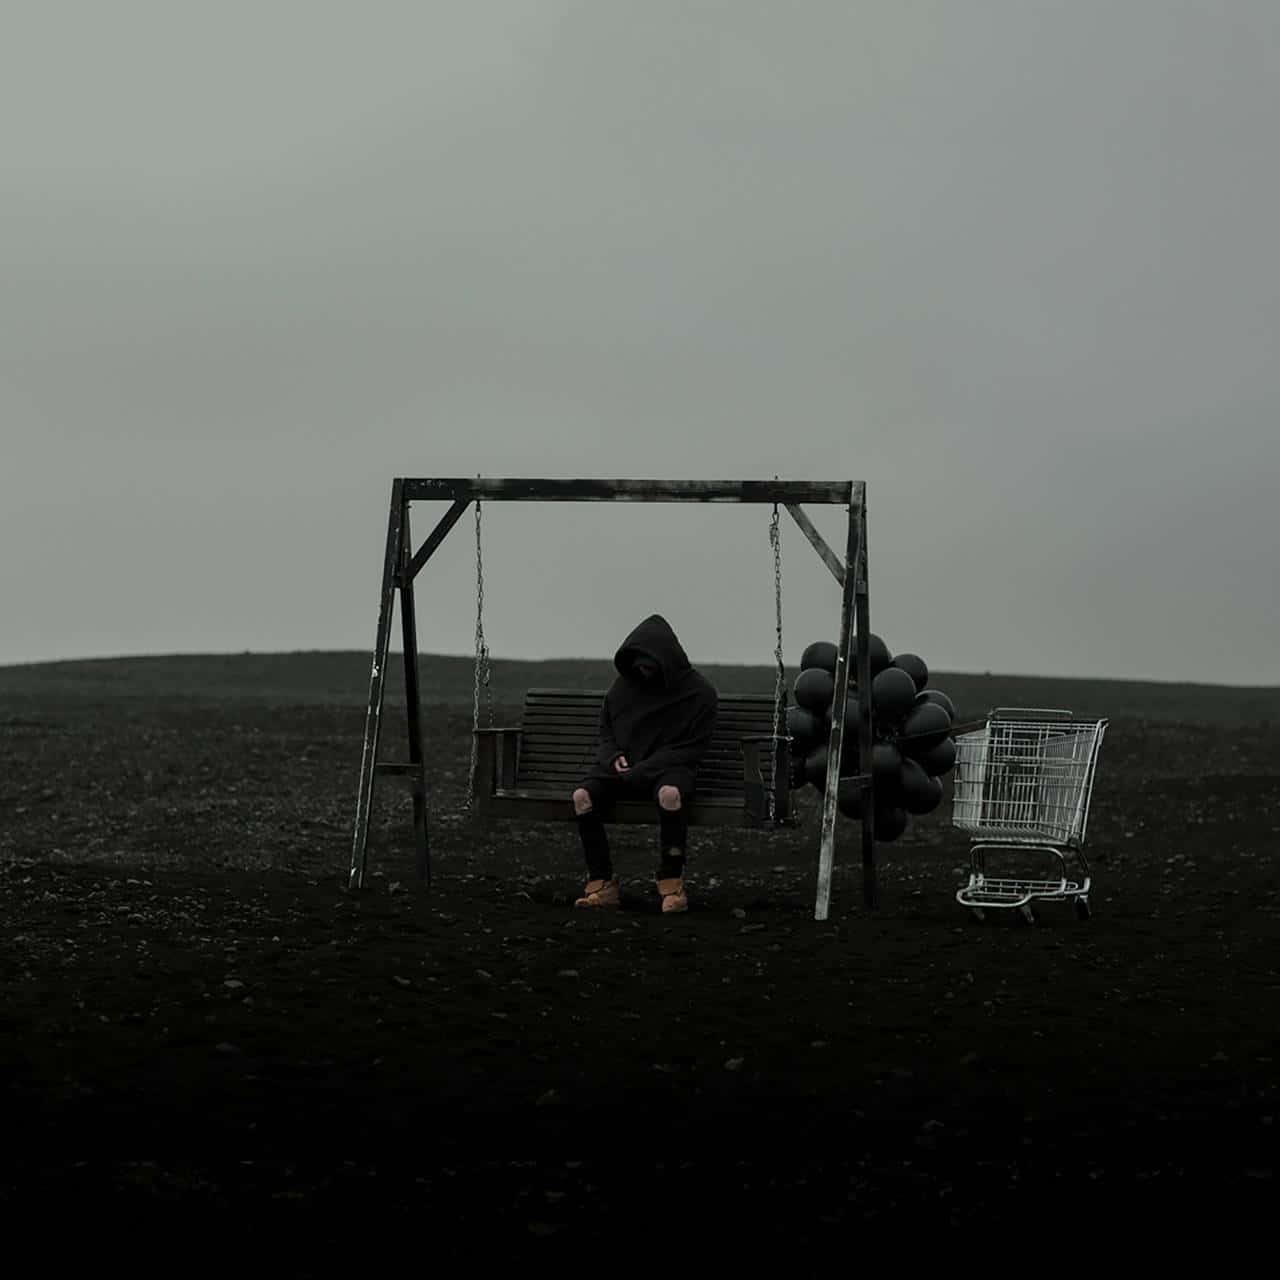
912, 747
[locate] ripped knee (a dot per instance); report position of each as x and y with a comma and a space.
582, 800
669, 797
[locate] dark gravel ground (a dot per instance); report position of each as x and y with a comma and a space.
201, 1024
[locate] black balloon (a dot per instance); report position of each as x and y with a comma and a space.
938, 792
849, 797
850, 716
880, 655
821, 654
936, 695
892, 694
848, 757
848, 745
886, 764
813, 689
815, 767
940, 759
804, 725
890, 823
851, 713
919, 792
911, 724
888, 787
924, 728
914, 666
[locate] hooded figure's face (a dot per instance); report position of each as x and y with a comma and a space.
652, 642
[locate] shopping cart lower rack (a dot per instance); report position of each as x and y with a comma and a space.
1021, 791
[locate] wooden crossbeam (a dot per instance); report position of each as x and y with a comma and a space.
463, 489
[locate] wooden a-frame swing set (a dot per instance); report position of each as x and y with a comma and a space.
502, 782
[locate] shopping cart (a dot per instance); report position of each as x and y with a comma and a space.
1022, 788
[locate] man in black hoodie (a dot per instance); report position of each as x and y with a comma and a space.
655, 726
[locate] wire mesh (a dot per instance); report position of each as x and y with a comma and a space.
1026, 779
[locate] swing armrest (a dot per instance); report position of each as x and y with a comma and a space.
757, 775
497, 754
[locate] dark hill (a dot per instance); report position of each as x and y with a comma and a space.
342, 679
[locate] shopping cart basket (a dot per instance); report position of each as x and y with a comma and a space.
1021, 791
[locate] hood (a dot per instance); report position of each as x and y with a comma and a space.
653, 638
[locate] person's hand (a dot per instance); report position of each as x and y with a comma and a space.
621, 765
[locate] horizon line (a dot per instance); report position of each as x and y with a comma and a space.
495, 658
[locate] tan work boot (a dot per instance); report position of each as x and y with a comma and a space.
674, 897
600, 893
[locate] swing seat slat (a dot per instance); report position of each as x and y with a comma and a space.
528, 771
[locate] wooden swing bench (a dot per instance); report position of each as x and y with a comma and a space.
529, 771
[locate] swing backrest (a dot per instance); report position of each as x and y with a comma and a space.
559, 728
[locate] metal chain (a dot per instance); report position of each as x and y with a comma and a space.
482, 671
775, 541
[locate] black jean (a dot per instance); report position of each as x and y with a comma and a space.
673, 824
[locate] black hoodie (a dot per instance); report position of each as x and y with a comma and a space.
658, 724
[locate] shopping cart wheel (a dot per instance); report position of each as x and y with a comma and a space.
1028, 913
978, 914
1083, 910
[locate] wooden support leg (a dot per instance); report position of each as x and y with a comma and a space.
377, 683
409, 635
853, 560
862, 612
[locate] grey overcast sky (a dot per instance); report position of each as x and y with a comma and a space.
1013, 263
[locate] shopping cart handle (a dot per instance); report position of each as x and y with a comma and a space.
1029, 713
